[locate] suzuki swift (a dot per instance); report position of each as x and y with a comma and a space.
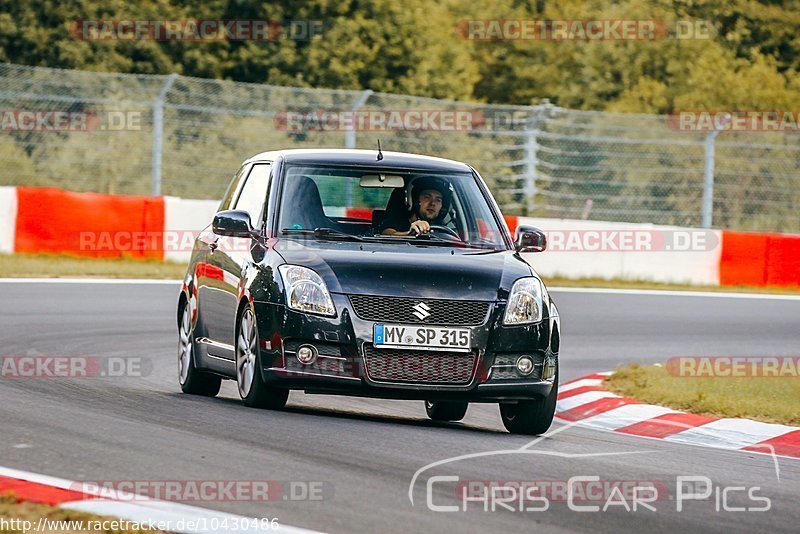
369, 273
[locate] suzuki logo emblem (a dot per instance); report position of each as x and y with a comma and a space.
422, 311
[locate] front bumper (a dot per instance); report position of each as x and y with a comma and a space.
344, 365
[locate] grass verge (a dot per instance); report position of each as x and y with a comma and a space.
24, 517
771, 400
49, 266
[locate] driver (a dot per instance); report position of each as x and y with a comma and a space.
430, 199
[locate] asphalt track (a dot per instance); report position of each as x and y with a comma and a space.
365, 453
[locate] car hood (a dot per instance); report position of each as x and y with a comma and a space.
407, 270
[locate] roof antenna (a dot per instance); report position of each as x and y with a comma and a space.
380, 154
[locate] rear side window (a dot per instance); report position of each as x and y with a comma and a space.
254, 193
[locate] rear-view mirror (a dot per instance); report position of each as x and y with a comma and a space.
382, 180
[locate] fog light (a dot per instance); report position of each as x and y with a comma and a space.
307, 354
524, 365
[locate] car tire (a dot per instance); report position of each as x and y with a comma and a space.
254, 392
530, 417
446, 410
192, 380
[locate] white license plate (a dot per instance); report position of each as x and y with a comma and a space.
422, 337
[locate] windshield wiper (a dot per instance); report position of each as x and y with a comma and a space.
460, 244
426, 239
321, 232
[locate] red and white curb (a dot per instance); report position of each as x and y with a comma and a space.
42, 489
587, 401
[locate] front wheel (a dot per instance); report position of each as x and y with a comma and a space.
530, 417
254, 392
446, 411
191, 380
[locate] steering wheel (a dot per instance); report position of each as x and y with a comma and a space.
449, 232
445, 230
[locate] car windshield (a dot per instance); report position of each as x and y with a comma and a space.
333, 202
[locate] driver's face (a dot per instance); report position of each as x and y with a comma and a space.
430, 204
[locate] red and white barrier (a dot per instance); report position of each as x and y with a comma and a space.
55, 221
47, 220
8, 218
756, 259
627, 251
181, 218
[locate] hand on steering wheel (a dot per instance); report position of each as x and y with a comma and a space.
423, 228
419, 227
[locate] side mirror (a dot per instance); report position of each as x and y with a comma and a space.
529, 239
233, 223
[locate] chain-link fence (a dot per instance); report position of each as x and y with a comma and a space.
173, 135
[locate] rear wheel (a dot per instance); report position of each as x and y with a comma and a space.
530, 417
446, 410
252, 388
192, 381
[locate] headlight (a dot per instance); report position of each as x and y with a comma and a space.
306, 291
524, 302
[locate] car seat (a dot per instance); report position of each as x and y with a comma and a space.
305, 204
395, 208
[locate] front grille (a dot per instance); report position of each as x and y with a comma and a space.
401, 310
397, 365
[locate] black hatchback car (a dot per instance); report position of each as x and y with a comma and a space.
374, 274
